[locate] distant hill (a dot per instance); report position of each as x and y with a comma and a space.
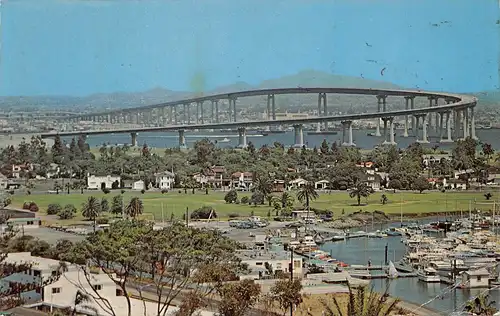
102, 101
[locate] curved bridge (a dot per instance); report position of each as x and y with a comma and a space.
448, 108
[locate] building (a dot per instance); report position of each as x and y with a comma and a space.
277, 261
321, 184
61, 291
138, 185
17, 170
475, 278
165, 180
242, 180
428, 160
103, 182
296, 184
24, 223
373, 179
4, 182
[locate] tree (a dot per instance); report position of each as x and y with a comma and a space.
104, 205
488, 196
287, 293
384, 199
53, 208
231, 196
359, 190
117, 205
257, 198
171, 260
67, 212
264, 185
481, 305
307, 193
421, 184
91, 209
488, 151
362, 302
134, 207
237, 298
57, 187
286, 200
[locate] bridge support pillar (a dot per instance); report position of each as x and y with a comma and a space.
171, 115
188, 107
465, 122
379, 108
216, 111
392, 141
242, 138
456, 119
407, 107
299, 136
108, 119
230, 110
386, 134
133, 139
197, 118
234, 109
318, 126
448, 138
182, 139
347, 125
472, 124
325, 109
212, 109
423, 118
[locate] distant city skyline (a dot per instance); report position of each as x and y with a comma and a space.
76, 47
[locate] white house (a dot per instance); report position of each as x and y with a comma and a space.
101, 182
296, 184
62, 292
165, 180
278, 261
138, 185
24, 223
321, 184
242, 180
475, 278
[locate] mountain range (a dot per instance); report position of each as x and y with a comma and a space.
101, 101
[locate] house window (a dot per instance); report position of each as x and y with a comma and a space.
258, 263
56, 290
97, 287
478, 278
29, 223
36, 273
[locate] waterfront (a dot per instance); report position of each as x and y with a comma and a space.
442, 299
361, 139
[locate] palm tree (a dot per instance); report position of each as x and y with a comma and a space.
363, 302
360, 190
134, 207
91, 209
286, 199
264, 185
481, 305
307, 193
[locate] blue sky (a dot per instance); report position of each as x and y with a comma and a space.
80, 47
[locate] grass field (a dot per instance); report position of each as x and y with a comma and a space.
174, 202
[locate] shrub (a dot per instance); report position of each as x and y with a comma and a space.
33, 207
53, 208
68, 212
180, 191
143, 191
231, 196
26, 205
106, 190
11, 192
237, 201
233, 215
204, 212
6, 202
122, 191
245, 200
102, 220
163, 191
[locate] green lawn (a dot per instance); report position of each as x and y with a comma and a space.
177, 202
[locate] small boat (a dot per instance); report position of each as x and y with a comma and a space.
428, 275
225, 140
392, 232
393, 272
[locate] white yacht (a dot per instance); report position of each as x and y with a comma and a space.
428, 275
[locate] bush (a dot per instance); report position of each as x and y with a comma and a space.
53, 208
26, 205
68, 212
143, 191
245, 200
122, 191
6, 202
180, 191
106, 190
204, 212
163, 191
231, 196
233, 215
102, 220
237, 201
11, 192
33, 207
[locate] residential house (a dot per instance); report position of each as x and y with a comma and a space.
373, 179
4, 182
138, 185
101, 182
278, 185
165, 180
321, 184
457, 184
24, 223
475, 279
430, 159
17, 170
296, 184
61, 290
242, 180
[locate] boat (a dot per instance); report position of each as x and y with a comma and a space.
428, 275
392, 232
377, 234
224, 140
329, 132
393, 273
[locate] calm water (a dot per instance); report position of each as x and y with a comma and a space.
359, 251
170, 139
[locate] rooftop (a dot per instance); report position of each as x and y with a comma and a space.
37, 262
263, 255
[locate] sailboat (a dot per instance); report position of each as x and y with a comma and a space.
393, 273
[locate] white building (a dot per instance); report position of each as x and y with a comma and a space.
24, 223
61, 293
278, 261
101, 182
321, 184
475, 278
138, 185
165, 180
296, 184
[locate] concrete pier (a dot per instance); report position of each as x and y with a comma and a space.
242, 138
133, 139
182, 139
379, 109
407, 107
299, 136
448, 138
347, 125
472, 124
422, 117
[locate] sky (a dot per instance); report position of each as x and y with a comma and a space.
81, 47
